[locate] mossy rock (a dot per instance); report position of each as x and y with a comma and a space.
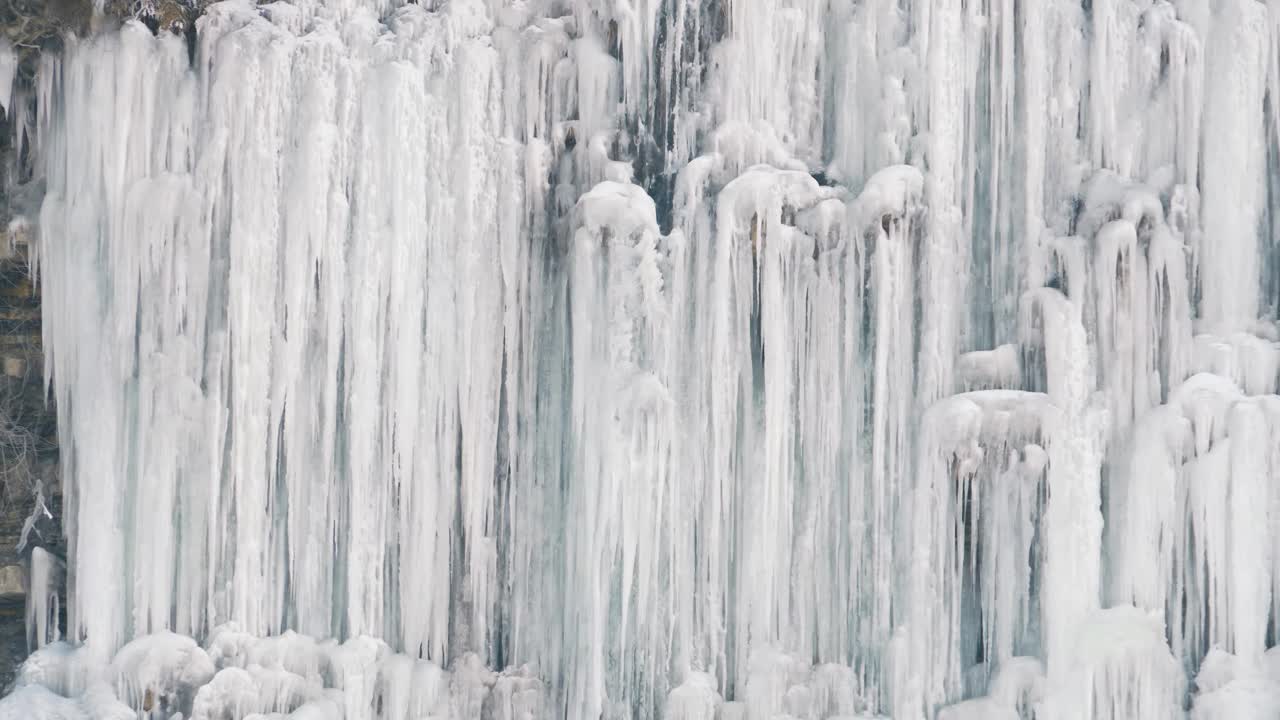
33, 24
175, 16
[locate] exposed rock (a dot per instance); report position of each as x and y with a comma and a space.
32, 25
175, 16
36, 25
13, 582
30, 491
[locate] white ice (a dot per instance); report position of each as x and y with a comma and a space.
641, 359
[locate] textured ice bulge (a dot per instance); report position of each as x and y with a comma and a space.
683, 359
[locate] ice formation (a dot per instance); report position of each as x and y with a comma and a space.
684, 359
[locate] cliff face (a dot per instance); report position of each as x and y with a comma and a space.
30, 487
33, 26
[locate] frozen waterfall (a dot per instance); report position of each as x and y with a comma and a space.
664, 359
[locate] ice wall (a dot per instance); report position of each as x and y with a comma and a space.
737, 359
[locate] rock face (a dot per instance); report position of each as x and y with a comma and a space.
33, 26
28, 455
177, 16
30, 487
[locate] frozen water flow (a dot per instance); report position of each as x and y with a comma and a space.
684, 359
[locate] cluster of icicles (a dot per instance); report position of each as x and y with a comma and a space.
692, 359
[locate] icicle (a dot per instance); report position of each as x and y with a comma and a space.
8, 73
1228, 256
44, 601
1072, 579
741, 359
622, 418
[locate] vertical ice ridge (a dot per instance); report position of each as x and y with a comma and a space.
729, 359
